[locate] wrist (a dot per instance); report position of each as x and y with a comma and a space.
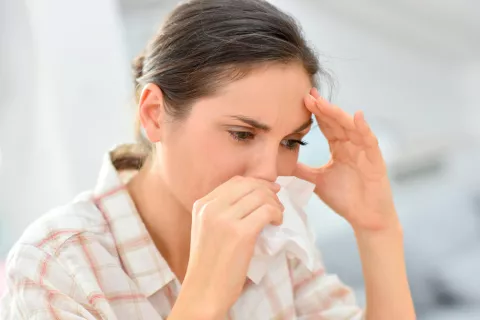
384, 241
185, 310
192, 304
392, 230
390, 226
380, 244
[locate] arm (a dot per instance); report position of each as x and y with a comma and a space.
186, 308
388, 295
355, 184
384, 271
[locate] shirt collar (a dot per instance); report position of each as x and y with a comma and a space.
137, 252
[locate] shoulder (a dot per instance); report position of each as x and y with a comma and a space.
54, 262
62, 233
63, 249
54, 228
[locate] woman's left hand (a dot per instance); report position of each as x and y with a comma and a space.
354, 183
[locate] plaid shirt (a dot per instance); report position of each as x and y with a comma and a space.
94, 259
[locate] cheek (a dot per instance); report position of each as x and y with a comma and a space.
196, 162
218, 161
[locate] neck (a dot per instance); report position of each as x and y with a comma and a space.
167, 221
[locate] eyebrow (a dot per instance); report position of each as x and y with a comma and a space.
264, 127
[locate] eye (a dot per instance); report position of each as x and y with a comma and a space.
293, 144
242, 135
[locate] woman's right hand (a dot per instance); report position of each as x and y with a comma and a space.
225, 226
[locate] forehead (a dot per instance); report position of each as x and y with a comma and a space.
270, 94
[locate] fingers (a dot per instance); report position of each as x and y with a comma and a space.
330, 129
254, 200
337, 124
369, 140
333, 112
236, 199
234, 189
305, 172
261, 217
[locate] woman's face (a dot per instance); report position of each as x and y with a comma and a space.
253, 127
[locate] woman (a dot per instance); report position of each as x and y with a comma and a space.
225, 97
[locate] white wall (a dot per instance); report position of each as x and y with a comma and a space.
468, 83
67, 103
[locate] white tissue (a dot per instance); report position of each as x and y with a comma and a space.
293, 237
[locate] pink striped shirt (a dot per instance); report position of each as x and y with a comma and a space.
94, 259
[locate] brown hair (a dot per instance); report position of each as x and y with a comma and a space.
205, 44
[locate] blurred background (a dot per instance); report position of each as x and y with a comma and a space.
412, 66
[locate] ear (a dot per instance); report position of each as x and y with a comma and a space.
151, 110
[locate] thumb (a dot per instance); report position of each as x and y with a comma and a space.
305, 172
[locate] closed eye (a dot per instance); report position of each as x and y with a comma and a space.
242, 135
246, 136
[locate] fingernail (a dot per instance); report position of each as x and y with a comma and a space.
362, 115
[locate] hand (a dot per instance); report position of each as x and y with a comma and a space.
225, 226
354, 182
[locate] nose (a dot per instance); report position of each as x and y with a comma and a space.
264, 165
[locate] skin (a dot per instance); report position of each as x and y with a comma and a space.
217, 168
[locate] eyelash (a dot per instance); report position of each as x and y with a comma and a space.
244, 136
